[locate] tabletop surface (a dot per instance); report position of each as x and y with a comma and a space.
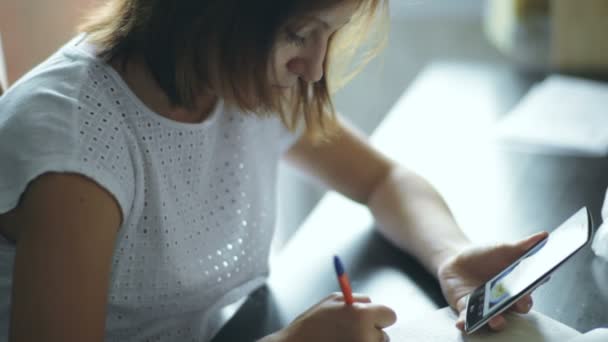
442, 128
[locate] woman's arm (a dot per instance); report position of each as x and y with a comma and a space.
408, 210
67, 227
413, 216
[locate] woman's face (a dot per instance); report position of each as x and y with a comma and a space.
301, 49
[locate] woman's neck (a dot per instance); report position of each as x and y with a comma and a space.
141, 82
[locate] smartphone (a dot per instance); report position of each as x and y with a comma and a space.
529, 271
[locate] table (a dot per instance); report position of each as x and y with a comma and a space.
442, 128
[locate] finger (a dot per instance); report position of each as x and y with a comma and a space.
382, 316
376, 335
461, 304
460, 320
384, 337
360, 298
527, 243
523, 305
357, 297
545, 280
497, 323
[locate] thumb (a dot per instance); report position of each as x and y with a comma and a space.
530, 241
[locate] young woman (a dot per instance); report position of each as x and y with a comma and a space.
138, 173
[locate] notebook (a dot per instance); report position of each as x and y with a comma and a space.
438, 326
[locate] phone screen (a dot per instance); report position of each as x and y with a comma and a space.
528, 271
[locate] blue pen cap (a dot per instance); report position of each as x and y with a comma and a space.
338, 266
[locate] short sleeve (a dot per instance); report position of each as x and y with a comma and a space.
44, 130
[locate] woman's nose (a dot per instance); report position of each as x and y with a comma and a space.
310, 67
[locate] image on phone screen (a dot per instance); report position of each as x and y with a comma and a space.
529, 271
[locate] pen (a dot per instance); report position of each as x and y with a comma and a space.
343, 281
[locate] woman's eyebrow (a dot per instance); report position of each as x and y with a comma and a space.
324, 23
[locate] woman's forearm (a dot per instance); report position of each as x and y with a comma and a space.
412, 215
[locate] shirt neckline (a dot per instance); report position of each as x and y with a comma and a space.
89, 49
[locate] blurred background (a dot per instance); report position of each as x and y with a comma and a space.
532, 35
421, 31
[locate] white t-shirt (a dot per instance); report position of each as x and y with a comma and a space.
198, 200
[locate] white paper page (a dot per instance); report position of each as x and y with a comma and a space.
561, 114
438, 326
3, 73
596, 335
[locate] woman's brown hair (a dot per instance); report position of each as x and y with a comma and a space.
223, 47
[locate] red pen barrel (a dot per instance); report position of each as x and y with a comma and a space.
346, 290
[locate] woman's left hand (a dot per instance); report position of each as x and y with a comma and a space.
472, 267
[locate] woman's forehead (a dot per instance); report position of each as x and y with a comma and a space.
331, 17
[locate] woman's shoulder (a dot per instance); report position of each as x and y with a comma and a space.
55, 86
54, 97
46, 124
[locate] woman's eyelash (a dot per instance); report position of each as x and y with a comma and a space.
295, 39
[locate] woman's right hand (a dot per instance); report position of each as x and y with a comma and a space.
332, 321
